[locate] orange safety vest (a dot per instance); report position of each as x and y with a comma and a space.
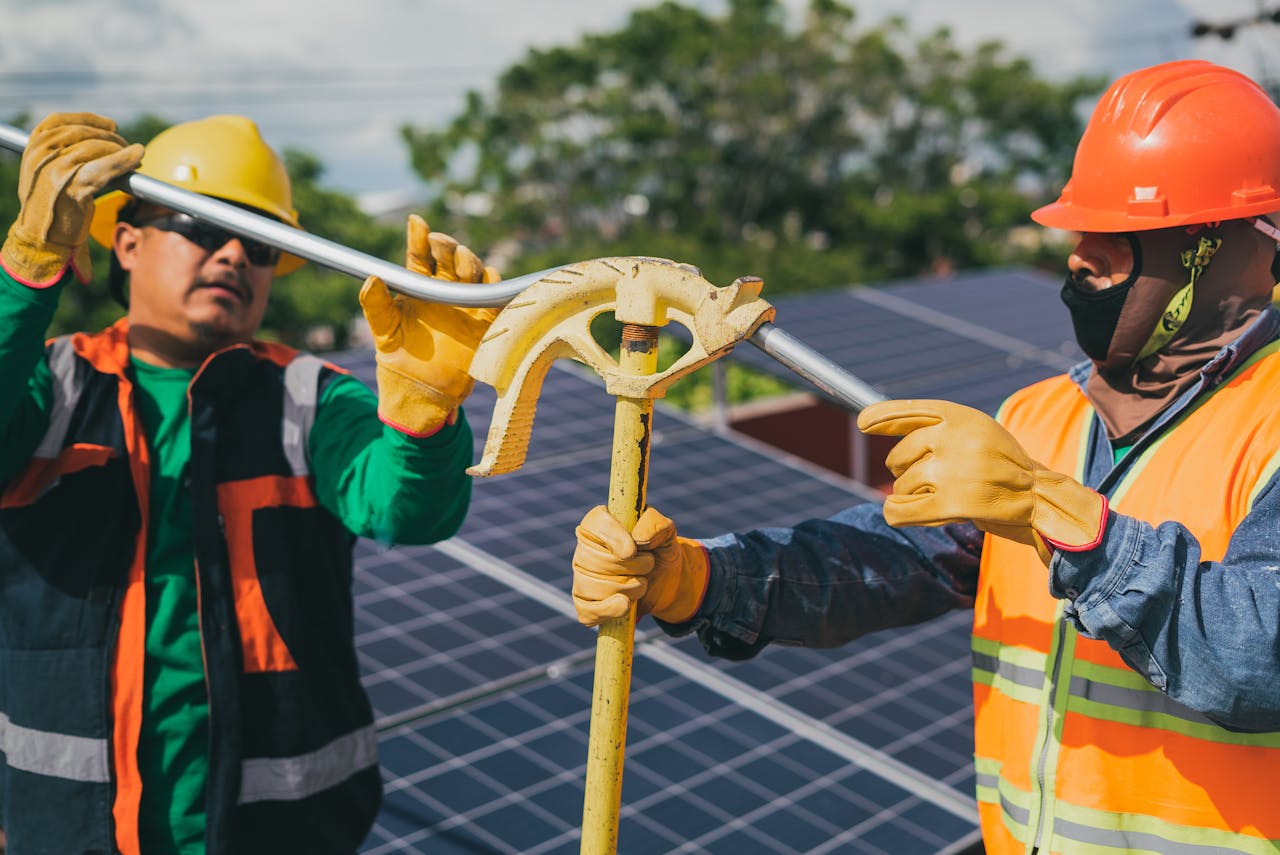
1075, 752
292, 747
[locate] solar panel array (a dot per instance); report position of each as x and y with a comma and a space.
481, 677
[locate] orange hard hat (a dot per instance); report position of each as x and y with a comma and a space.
1174, 144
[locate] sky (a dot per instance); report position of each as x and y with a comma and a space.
339, 79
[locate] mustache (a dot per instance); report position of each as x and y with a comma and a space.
236, 280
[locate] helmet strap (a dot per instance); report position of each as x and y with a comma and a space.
1179, 308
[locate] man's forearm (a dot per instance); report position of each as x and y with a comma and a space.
25, 393
826, 582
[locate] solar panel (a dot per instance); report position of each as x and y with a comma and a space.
481, 678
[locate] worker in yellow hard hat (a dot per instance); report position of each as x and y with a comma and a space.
1114, 530
179, 507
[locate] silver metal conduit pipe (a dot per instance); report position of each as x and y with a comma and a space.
828, 377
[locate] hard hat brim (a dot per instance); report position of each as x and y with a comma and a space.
1074, 218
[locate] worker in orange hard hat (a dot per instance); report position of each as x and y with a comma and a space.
1114, 529
179, 505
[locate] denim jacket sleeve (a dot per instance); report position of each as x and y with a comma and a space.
828, 581
1207, 633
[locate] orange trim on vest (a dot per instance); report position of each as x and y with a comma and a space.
130, 650
278, 353
1140, 768
282, 355
107, 351
264, 648
40, 473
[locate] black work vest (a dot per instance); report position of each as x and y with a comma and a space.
293, 753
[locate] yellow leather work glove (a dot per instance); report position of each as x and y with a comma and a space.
424, 349
955, 463
69, 158
665, 574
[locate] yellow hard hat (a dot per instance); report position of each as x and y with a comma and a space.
221, 156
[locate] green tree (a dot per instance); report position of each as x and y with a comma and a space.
309, 308
810, 153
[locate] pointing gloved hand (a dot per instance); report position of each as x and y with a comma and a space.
424, 349
666, 575
69, 158
956, 464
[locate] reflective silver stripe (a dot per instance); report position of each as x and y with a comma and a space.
1017, 817
66, 392
1017, 674
293, 778
987, 779
1142, 841
1150, 700
301, 392
76, 758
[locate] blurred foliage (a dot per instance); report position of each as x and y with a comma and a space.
310, 308
696, 391
810, 153
313, 304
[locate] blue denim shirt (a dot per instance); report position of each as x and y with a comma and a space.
1206, 633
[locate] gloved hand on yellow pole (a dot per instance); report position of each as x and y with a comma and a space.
665, 574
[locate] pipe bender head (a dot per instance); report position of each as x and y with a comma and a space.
552, 319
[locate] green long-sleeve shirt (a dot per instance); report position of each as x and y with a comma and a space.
379, 482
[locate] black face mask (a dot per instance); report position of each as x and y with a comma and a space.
1096, 314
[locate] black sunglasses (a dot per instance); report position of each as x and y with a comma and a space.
210, 237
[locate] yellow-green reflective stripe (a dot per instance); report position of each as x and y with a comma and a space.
1264, 478
1049, 735
1082, 446
1127, 690
1121, 695
1013, 671
1014, 804
1086, 831
998, 673
1018, 656
1205, 732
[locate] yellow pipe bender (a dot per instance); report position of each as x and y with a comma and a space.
552, 319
